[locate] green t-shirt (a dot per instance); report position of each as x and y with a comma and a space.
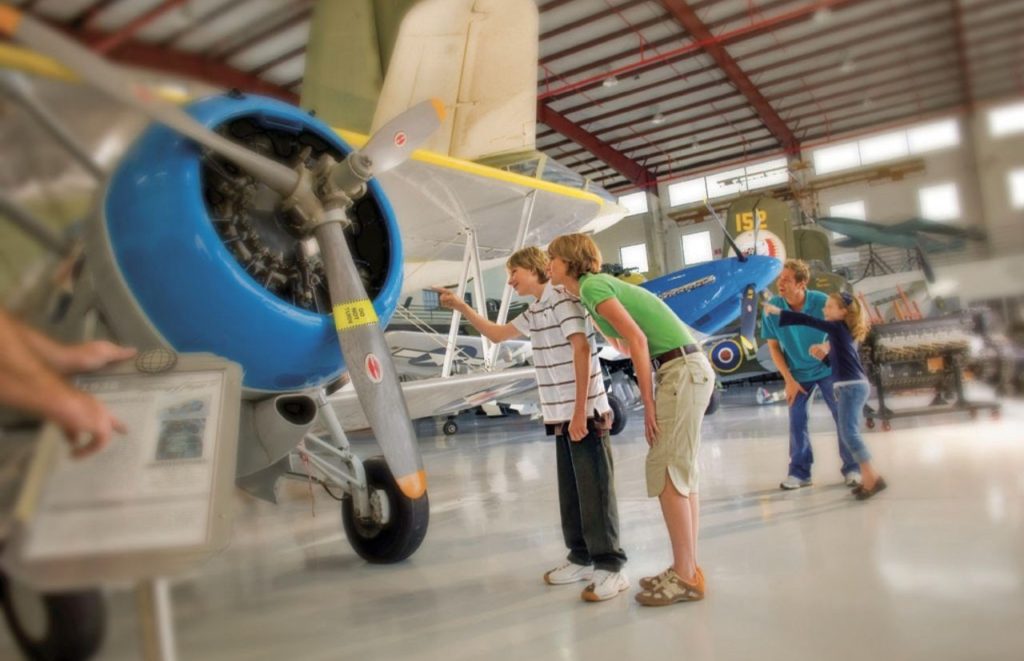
664, 330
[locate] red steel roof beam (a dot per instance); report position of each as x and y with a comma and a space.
630, 169
586, 20
686, 17
128, 31
189, 65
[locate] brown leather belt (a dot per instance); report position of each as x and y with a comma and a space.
678, 352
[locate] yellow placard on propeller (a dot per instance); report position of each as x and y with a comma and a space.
356, 313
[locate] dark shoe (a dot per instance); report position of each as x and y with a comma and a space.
864, 494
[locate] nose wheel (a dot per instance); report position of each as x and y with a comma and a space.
396, 524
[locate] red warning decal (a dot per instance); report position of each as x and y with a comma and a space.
373, 368
400, 139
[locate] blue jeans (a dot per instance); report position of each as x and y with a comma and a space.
800, 455
852, 396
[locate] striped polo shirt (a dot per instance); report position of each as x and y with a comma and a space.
548, 323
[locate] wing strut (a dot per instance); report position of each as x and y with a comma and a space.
506, 294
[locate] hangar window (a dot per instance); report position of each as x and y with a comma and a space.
685, 192
1006, 120
697, 248
768, 173
854, 209
1016, 179
939, 202
634, 257
885, 147
634, 203
936, 135
431, 299
838, 157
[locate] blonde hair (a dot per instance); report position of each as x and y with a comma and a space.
801, 272
579, 252
531, 259
855, 318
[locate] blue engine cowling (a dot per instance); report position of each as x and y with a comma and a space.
194, 293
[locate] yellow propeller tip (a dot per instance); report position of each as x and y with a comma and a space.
9, 19
438, 108
413, 485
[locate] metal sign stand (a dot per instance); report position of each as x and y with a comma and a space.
156, 620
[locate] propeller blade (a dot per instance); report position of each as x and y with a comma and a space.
748, 320
394, 142
111, 80
369, 364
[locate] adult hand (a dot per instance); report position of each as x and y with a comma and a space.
91, 356
793, 388
651, 425
772, 309
88, 425
819, 351
577, 427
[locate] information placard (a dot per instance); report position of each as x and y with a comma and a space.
156, 501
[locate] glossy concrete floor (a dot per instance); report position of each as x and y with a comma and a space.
931, 569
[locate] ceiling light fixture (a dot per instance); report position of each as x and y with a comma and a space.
658, 118
610, 81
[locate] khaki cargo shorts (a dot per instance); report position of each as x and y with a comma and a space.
683, 388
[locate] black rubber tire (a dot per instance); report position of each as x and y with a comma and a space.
714, 402
620, 416
75, 624
403, 534
450, 427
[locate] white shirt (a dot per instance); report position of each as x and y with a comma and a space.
549, 322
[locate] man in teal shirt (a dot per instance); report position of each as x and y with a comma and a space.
797, 352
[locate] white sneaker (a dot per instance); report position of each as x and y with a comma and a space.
791, 483
853, 479
567, 573
607, 584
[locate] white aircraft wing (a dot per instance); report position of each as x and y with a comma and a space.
438, 396
437, 198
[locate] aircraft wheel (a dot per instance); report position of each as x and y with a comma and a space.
714, 402
450, 427
57, 626
406, 526
619, 415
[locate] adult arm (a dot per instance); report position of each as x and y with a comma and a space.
29, 384
581, 370
71, 358
790, 318
793, 387
492, 331
617, 317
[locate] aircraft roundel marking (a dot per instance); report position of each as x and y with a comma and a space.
768, 243
400, 138
373, 368
726, 356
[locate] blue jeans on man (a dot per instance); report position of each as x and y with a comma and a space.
800, 454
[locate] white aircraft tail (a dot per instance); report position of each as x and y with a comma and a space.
480, 58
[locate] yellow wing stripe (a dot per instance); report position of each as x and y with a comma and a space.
356, 313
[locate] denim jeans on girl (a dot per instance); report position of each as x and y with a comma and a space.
851, 397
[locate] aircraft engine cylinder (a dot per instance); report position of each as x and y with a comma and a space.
212, 261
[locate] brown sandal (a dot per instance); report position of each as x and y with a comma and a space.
672, 589
650, 582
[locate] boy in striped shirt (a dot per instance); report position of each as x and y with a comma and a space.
576, 411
